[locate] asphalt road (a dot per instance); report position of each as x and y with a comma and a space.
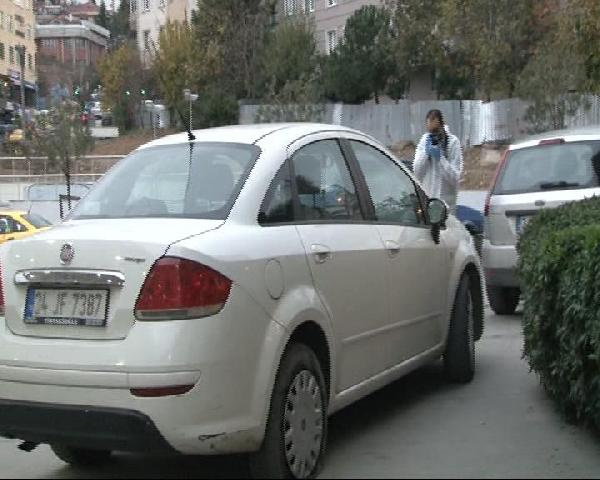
501, 425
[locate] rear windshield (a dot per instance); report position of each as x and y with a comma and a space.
176, 181
550, 167
37, 220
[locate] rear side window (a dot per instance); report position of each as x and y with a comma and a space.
550, 167
278, 205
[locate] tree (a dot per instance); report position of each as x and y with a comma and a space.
580, 31
290, 54
63, 138
229, 36
103, 20
494, 37
414, 44
119, 26
173, 64
360, 67
559, 68
122, 78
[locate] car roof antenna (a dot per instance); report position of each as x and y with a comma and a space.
191, 136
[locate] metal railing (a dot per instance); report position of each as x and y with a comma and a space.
23, 169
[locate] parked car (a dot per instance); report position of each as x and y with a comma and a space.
540, 172
16, 224
226, 295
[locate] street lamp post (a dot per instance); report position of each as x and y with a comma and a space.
190, 97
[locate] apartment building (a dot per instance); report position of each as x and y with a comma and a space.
77, 43
149, 16
329, 17
17, 29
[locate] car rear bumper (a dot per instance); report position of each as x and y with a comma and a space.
90, 427
500, 265
228, 361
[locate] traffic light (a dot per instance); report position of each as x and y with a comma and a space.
127, 92
76, 91
143, 92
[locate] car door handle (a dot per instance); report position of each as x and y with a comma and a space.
321, 253
10, 238
392, 247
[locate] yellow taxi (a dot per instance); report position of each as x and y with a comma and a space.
16, 224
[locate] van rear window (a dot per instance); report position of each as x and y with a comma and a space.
551, 167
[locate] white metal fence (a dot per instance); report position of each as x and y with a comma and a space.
473, 121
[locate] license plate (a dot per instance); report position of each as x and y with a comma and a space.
522, 222
87, 308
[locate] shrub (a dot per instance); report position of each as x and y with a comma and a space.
559, 268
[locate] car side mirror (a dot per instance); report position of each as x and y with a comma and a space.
438, 213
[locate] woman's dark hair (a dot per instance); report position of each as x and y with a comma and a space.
437, 114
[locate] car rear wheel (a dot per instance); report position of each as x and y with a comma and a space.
81, 457
297, 425
504, 300
459, 359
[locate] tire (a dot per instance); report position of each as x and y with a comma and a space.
81, 457
299, 368
504, 300
459, 359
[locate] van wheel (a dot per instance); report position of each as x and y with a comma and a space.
296, 431
504, 300
459, 359
81, 457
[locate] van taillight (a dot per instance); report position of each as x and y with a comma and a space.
486, 210
179, 289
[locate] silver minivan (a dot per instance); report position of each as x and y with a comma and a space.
540, 172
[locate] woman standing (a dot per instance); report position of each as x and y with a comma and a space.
438, 161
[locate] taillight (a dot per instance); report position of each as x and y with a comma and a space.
1, 294
486, 210
179, 289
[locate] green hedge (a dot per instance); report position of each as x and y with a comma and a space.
559, 268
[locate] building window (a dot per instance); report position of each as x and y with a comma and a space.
332, 3
147, 40
29, 32
309, 6
290, 7
162, 3
11, 25
11, 55
30, 61
2, 53
1, 20
332, 41
146, 5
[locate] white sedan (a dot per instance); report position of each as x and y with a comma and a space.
226, 294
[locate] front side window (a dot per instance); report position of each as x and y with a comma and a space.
325, 187
393, 193
174, 181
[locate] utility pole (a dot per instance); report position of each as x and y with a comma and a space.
21, 52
